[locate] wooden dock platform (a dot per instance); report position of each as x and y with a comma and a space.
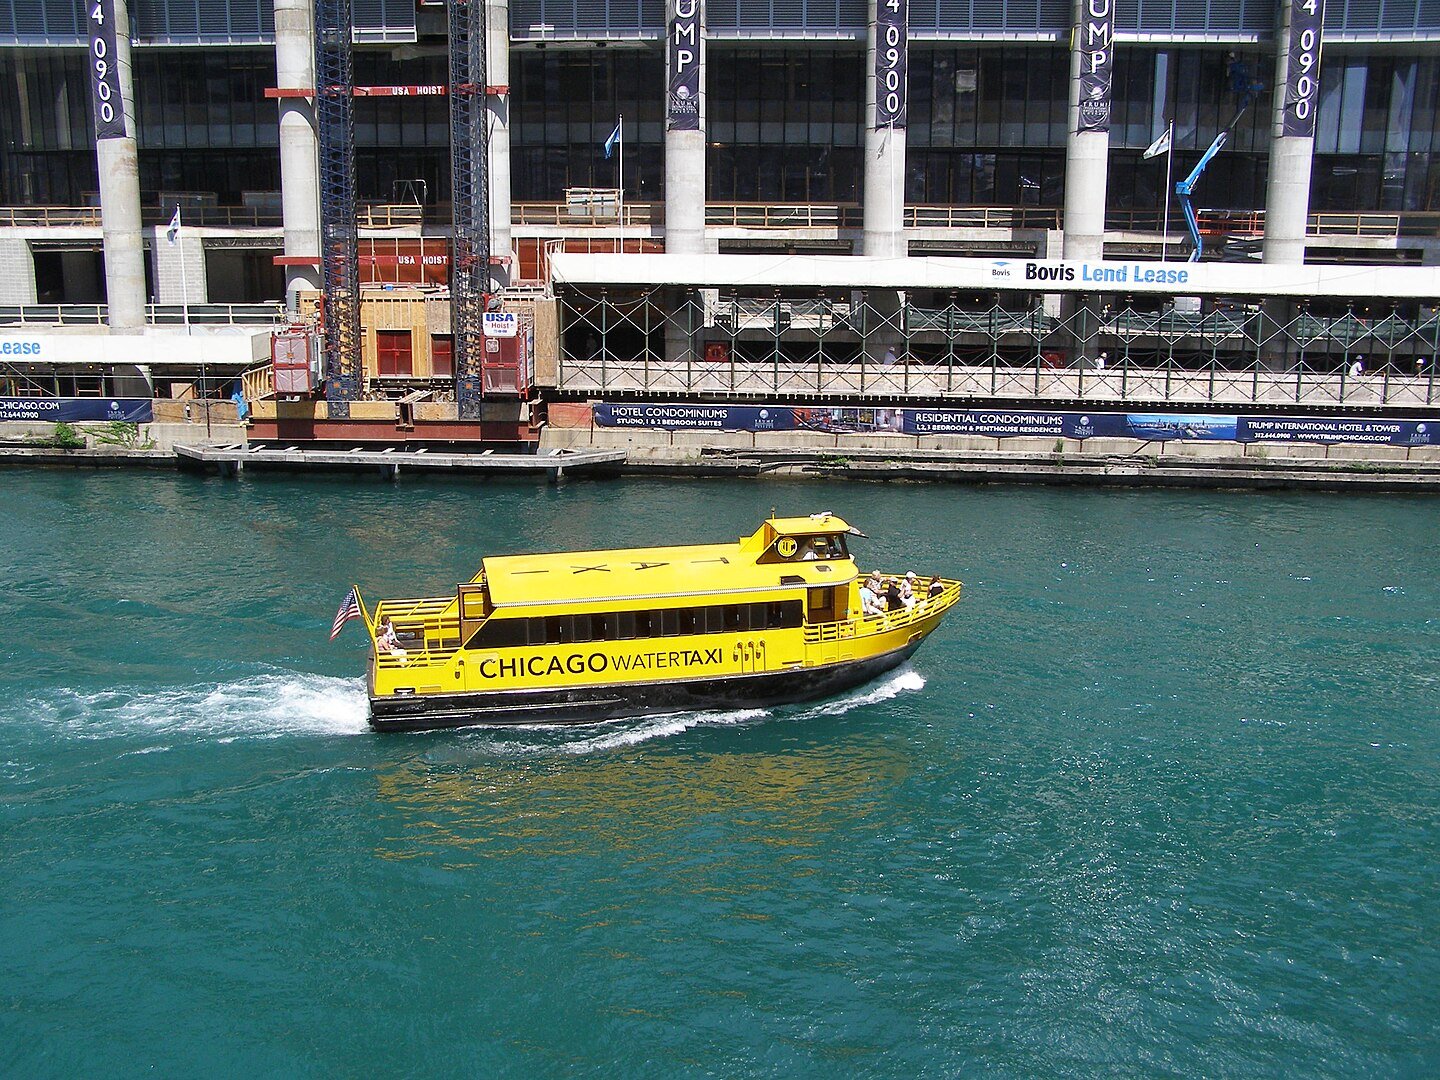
554, 465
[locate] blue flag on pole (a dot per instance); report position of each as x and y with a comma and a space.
611, 141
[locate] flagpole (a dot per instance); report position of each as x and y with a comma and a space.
1169, 158
185, 313
184, 283
620, 150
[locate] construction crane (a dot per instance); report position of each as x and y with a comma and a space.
1245, 89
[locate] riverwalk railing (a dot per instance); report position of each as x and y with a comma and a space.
41, 315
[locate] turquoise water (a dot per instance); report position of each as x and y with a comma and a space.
1160, 798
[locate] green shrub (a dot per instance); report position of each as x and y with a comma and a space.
67, 438
119, 433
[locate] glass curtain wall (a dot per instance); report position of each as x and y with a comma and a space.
47, 153
987, 126
1377, 133
1201, 89
564, 105
205, 125
785, 125
402, 144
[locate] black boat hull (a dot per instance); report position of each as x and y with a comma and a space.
592, 704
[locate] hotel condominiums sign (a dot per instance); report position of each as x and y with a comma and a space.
104, 71
683, 105
892, 18
1096, 35
1302, 80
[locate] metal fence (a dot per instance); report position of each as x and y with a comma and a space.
697, 343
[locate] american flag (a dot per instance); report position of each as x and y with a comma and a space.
349, 609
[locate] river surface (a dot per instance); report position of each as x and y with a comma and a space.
1160, 798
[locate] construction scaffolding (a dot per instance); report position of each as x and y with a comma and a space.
470, 261
706, 343
339, 237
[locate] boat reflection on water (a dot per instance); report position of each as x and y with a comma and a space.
534, 797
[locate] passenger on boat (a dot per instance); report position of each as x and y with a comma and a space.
387, 641
870, 603
893, 599
935, 589
907, 590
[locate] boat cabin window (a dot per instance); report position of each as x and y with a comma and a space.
500, 633
807, 548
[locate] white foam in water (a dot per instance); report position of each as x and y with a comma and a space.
258, 706
618, 733
293, 703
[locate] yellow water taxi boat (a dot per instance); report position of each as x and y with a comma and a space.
576, 637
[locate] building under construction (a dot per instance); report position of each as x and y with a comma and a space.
391, 220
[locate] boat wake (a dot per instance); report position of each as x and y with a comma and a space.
615, 734
280, 704
259, 706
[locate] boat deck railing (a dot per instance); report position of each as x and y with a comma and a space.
428, 630
886, 621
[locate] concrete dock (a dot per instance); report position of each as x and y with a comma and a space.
554, 465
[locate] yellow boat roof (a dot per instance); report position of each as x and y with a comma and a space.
641, 573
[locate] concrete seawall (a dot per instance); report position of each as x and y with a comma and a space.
871, 457
968, 459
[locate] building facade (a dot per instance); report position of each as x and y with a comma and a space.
785, 111
1020, 129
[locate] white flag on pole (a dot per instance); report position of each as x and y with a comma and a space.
172, 234
1159, 146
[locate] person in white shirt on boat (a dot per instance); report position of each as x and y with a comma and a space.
388, 641
907, 590
870, 602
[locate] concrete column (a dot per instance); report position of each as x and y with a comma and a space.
497, 110
685, 175
1087, 165
299, 163
119, 170
883, 215
17, 272
884, 192
179, 268
1087, 168
1287, 189
1287, 198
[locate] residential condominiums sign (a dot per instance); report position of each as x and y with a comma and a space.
1016, 423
